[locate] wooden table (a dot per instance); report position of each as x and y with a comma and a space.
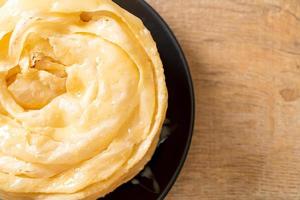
244, 56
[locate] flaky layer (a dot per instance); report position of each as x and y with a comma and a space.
82, 98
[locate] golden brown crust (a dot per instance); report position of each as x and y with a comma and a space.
98, 74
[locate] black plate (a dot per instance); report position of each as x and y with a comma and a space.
171, 154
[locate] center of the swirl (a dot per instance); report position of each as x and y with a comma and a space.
35, 87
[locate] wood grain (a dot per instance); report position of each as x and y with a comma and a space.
244, 56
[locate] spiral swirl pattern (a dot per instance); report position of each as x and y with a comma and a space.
82, 98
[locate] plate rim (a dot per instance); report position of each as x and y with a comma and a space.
179, 49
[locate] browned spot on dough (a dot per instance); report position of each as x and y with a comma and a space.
290, 94
85, 17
